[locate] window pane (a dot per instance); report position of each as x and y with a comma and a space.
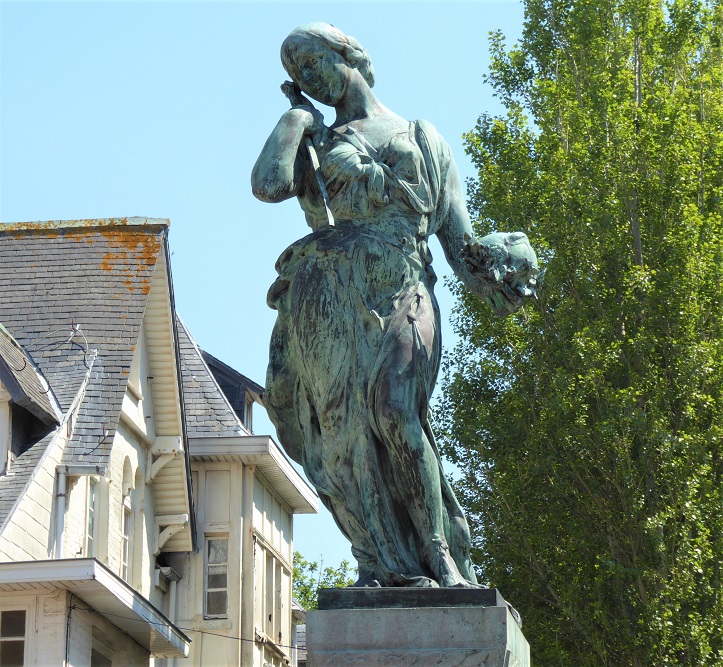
216, 579
12, 653
12, 623
216, 603
218, 551
91, 516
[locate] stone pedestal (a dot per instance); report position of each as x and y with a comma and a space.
420, 627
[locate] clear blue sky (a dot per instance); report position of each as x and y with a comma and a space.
160, 109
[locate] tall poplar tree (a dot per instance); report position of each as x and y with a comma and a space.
589, 426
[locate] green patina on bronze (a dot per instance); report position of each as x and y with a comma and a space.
356, 347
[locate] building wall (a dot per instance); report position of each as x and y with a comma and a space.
47, 619
218, 489
126, 475
273, 558
129, 466
44, 618
124, 484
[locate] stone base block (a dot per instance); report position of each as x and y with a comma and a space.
440, 636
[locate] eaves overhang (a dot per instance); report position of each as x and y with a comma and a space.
267, 456
93, 583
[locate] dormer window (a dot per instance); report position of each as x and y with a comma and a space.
28, 408
248, 413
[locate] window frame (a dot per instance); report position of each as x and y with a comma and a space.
6, 422
206, 589
126, 539
17, 638
91, 515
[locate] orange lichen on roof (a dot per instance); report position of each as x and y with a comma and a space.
134, 248
20, 233
144, 246
112, 258
130, 247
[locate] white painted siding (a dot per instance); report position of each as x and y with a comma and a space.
30, 529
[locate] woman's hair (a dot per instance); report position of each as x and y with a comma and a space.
347, 47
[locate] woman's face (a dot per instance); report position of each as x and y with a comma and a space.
317, 69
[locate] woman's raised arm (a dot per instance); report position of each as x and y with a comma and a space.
278, 172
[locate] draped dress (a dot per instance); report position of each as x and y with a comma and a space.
355, 352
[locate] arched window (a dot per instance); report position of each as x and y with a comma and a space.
126, 557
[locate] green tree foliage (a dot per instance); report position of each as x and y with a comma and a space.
310, 576
589, 425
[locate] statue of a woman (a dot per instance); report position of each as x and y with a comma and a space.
356, 347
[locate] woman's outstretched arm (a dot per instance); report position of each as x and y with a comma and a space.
500, 268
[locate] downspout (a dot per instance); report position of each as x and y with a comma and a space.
247, 568
60, 510
173, 579
172, 608
172, 601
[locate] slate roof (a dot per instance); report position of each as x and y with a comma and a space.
71, 290
208, 411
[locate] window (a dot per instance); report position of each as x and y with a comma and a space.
126, 537
5, 422
12, 638
90, 525
248, 414
216, 580
126, 527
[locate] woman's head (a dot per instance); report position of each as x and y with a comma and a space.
302, 54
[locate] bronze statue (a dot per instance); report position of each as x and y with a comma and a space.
356, 347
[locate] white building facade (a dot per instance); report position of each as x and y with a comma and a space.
141, 522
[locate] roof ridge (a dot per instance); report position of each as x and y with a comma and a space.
86, 223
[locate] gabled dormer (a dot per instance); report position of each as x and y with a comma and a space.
28, 407
242, 392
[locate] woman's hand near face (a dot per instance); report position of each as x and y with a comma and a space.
308, 117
